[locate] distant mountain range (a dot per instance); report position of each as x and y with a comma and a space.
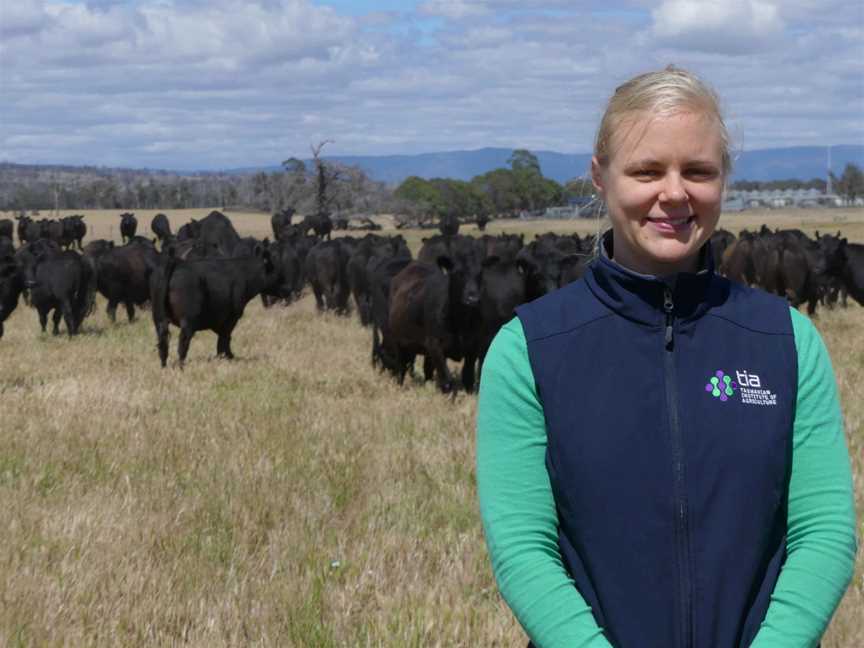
800, 162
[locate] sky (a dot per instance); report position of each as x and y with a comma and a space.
219, 84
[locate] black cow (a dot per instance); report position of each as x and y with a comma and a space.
449, 225
64, 282
327, 272
385, 353
7, 228
7, 247
206, 294
161, 227
319, 223
721, 240
74, 231
188, 231
482, 220
123, 276
217, 234
370, 248
11, 285
23, 221
280, 220
287, 284
503, 288
128, 226
551, 262
853, 272
435, 311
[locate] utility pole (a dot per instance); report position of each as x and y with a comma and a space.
828, 188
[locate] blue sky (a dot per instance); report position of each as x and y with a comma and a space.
189, 84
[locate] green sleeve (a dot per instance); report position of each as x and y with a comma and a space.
516, 503
821, 524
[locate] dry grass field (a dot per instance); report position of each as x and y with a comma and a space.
292, 497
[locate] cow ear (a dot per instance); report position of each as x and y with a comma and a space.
445, 263
490, 261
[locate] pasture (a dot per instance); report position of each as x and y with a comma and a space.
292, 497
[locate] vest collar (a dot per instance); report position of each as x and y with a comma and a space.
640, 297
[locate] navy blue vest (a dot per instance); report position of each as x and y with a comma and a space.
669, 411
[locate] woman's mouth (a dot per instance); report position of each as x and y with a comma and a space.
671, 225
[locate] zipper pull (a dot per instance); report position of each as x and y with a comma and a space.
668, 307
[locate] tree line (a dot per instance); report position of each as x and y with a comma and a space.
504, 191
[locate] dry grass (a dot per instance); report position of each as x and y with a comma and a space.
293, 497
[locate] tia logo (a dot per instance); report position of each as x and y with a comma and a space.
721, 386
749, 388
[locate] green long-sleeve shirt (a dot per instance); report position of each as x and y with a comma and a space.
521, 523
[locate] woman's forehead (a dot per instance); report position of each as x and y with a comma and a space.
688, 132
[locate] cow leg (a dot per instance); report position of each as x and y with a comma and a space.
56, 317
130, 311
223, 345
468, 373
68, 313
43, 318
111, 311
319, 300
162, 337
1, 328
428, 368
811, 306
186, 334
435, 350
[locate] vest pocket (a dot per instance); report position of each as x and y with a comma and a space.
757, 612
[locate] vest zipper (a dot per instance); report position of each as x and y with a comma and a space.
682, 542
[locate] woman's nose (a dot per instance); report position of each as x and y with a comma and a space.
673, 190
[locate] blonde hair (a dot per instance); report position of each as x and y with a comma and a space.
661, 93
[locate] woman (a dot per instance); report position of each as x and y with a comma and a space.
660, 453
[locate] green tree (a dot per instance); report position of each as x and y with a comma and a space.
524, 160
850, 184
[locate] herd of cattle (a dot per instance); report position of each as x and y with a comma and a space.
448, 303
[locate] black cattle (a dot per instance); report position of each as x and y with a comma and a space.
64, 282
189, 231
123, 276
11, 285
327, 272
482, 220
449, 225
853, 271
287, 284
7, 247
503, 246
435, 311
161, 227
369, 249
280, 220
503, 288
721, 240
32, 231
319, 223
128, 226
217, 234
22, 228
53, 229
7, 228
550, 263
97, 247
385, 353
206, 294
76, 229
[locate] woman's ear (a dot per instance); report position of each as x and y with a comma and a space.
597, 174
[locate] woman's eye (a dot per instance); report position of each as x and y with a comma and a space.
646, 173
701, 174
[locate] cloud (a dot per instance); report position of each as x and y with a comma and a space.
730, 27
230, 83
22, 18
